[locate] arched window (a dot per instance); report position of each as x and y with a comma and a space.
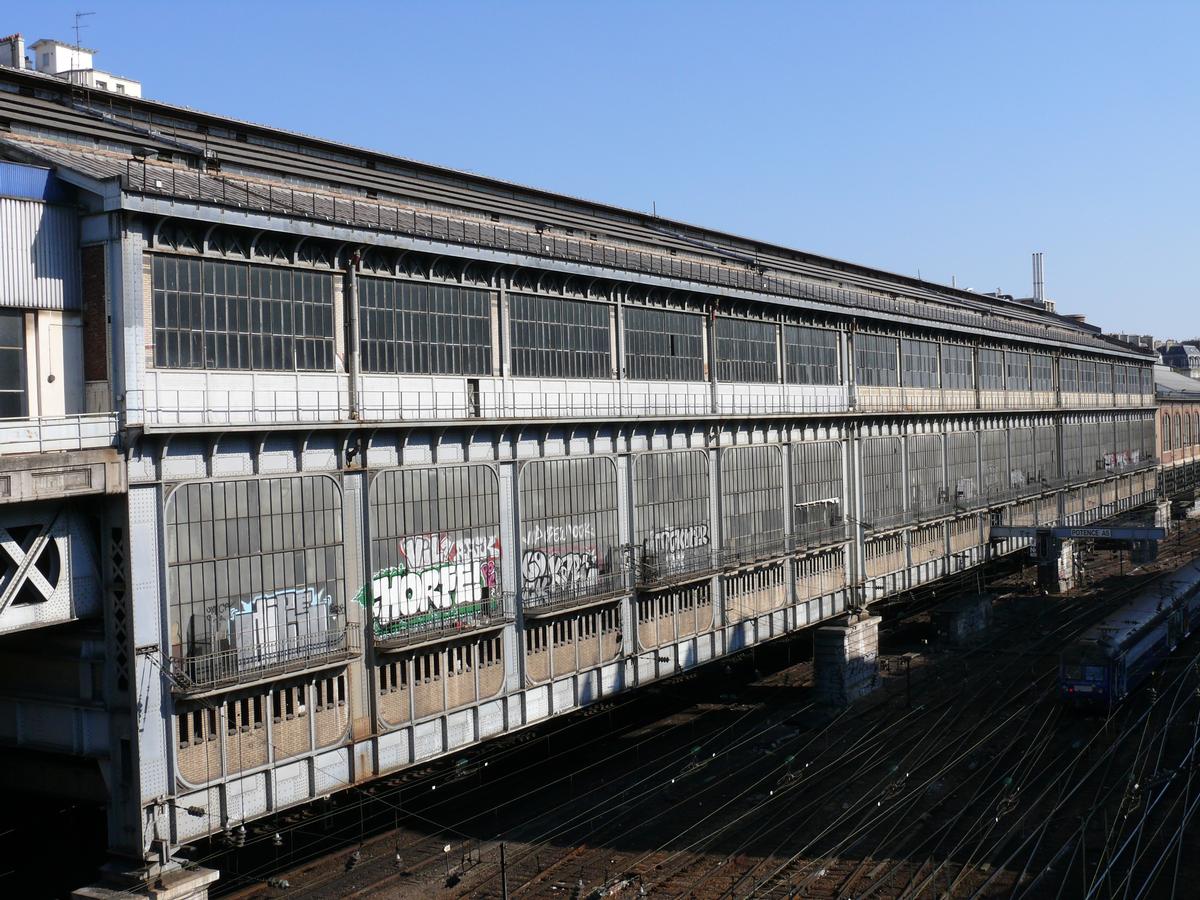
1178, 431
1166, 431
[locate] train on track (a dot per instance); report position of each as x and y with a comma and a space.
1114, 656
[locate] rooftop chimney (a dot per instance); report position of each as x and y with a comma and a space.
1039, 283
12, 51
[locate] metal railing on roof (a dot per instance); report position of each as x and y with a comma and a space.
170, 181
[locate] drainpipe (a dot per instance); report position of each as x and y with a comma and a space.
712, 357
352, 351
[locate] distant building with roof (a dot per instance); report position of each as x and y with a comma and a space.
1182, 358
1178, 398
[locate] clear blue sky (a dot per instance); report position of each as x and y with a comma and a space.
952, 138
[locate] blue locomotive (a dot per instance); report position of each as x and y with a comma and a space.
1114, 656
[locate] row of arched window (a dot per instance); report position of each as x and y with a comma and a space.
1180, 430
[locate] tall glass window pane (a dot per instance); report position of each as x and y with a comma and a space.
875, 360
991, 370
811, 355
435, 547
919, 363
663, 345
12, 364
416, 328
958, 367
746, 351
553, 337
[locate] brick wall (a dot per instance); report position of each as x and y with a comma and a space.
95, 315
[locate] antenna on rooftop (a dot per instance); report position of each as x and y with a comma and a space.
79, 26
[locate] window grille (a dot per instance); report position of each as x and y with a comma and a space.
228, 315
883, 480
1046, 448
1043, 372
663, 345
875, 360
553, 337
746, 351
1017, 370
958, 367
1023, 464
811, 355
926, 483
569, 535
409, 327
1087, 377
12, 364
1068, 375
817, 491
254, 565
993, 458
919, 363
962, 465
752, 486
991, 370
435, 544
671, 492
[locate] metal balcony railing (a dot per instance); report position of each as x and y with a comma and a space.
235, 665
654, 568
751, 550
565, 596
221, 406
493, 610
44, 434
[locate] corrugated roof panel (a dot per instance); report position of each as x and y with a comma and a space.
31, 182
39, 255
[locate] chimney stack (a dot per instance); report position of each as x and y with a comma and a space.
1039, 284
12, 51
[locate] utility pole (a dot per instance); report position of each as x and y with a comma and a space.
503, 875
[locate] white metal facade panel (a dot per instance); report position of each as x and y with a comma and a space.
393, 750
491, 718
589, 687
290, 784
612, 678
537, 703
427, 739
188, 826
246, 797
460, 728
331, 771
564, 695
39, 255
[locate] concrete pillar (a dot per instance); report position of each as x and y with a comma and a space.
846, 659
1162, 514
175, 884
1056, 576
959, 621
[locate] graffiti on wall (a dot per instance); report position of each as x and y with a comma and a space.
547, 570
438, 577
280, 625
1122, 459
672, 544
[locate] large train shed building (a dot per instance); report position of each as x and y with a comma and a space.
317, 463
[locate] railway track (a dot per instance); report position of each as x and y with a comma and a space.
677, 824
